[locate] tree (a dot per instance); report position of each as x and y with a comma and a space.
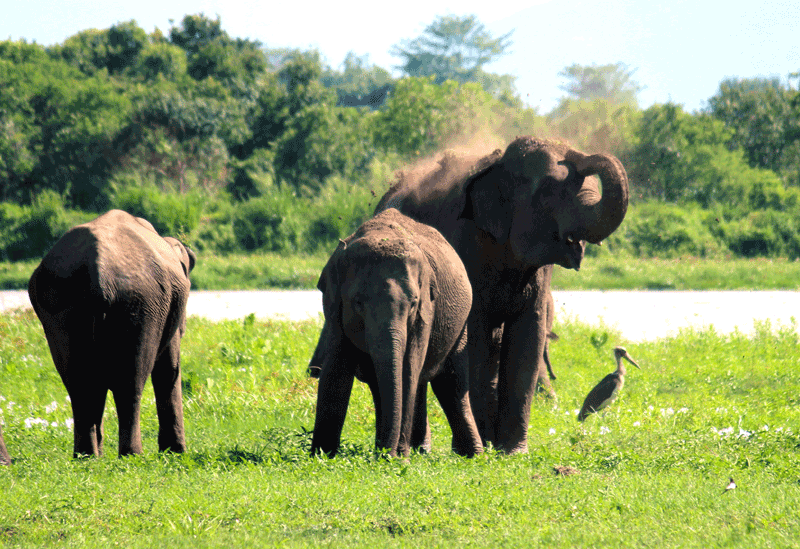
612, 82
359, 83
764, 116
451, 48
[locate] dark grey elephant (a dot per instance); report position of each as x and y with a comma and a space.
396, 300
111, 295
511, 216
5, 459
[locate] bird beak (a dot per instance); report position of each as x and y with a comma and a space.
627, 357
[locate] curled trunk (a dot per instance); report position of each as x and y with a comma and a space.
600, 215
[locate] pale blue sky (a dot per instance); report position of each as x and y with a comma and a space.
681, 49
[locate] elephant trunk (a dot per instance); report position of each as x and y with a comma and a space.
600, 216
387, 345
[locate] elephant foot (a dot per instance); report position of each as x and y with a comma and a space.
545, 388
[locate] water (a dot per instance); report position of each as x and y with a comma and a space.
638, 315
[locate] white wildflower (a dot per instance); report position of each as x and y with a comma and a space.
604, 430
683, 410
637, 423
650, 408
69, 422
552, 431
50, 408
744, 434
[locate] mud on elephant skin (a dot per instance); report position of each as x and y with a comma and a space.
511, 216
111, 296
396, 299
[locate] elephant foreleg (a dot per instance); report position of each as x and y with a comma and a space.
169, 398
520, 369
484, 351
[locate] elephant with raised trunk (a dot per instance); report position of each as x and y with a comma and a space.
511, 215
111, 295
396, 299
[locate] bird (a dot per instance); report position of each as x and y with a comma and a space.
607, 390
731, 485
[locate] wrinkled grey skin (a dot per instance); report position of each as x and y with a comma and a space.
511, 216
111, 295
5, 459
396, 299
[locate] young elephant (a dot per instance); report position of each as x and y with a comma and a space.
111, 295
396, 300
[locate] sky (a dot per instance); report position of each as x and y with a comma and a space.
680, 50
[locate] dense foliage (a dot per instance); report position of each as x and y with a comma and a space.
235, 147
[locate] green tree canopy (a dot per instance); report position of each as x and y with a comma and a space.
451, 48
613, 82
764, 116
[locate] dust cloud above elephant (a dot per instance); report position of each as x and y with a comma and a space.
396, 299
111, 296
511, 215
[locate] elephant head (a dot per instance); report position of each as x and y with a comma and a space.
540, 199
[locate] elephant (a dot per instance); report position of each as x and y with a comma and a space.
511, 216
111, 295
396, 298
5, 459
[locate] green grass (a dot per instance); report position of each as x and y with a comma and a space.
651, 470
606, 272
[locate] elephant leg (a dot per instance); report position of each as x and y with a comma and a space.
135, 360
88, 403
421, 431
337, 374
70, 337
484, 349
169, 397
520, 368
5, 459
451, 388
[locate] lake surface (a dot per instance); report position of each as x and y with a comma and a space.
638, 315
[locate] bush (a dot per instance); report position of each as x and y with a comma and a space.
270, 223
765, 233
171, 214
653, 229
28, 232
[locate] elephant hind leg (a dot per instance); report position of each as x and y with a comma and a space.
88, 403
421, 430
169, 398
451, 388
75, 353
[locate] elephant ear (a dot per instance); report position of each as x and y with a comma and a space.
328, 284
486, 206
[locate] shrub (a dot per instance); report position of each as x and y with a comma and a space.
171, 214
30, 231
653, 229
271, 222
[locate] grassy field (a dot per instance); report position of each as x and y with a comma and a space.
273, 271
650, 472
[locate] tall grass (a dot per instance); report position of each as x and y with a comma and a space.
650, 470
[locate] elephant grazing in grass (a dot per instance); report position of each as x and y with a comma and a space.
396, 299
510, 216
111, 295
